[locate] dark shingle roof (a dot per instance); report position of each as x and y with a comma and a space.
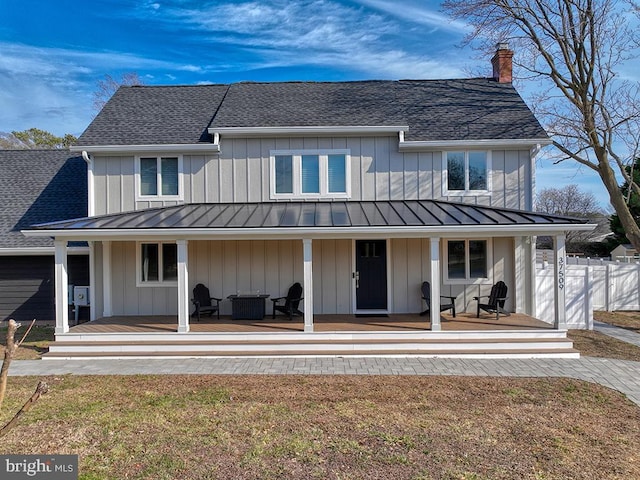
39, 186
142, 115
398, 213
466, 109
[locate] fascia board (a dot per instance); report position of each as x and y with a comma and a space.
467, 144
153, 148
323, 232
40, 251
307, 130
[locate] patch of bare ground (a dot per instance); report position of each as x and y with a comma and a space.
331, 427
595, 344
628, 320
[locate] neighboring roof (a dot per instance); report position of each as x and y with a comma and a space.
39, 186
434, 110
325, 215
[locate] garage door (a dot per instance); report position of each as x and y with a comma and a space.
27, 288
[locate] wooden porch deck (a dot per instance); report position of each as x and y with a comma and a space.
322, 323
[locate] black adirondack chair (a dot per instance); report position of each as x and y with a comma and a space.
204, 302
291, 302
495, 302
426, 296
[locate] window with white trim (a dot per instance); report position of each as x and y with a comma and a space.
157, 264
466, 172
467, 260
159, 177
310, 174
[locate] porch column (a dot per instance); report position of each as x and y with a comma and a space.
560, 281
533, 279
106, 278
435, 284
308, 284
62, 287
183, 286
92, 281
520, 274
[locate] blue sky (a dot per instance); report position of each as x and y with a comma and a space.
52, 54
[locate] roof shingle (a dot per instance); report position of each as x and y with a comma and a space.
464, 109
39, 186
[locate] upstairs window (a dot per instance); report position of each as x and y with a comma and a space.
466, 172
159, 177
157, 264
311, 173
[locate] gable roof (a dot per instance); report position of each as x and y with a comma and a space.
434, 110
39, 186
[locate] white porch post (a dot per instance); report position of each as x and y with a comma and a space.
183, 286
308, 284
62, 287
106, 278
560, 281
533, 279
92, 281
520, 274
435, 284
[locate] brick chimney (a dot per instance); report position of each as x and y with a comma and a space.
502, 63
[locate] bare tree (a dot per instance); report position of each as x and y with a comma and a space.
571, 201
9, 353
108, 86
575, 48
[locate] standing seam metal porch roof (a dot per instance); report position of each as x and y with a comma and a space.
320, 214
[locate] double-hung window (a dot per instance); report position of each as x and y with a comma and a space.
159, 177
157, 264
310, 173
468, 260
466, 172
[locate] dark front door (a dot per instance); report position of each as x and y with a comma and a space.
371, 274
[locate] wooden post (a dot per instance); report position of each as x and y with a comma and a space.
183, 286
62, 287
560, 282
308, 284
435, 284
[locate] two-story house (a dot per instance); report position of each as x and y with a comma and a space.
358, 190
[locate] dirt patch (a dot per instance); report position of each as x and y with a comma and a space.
628, 320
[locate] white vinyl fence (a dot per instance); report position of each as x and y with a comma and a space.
590, 285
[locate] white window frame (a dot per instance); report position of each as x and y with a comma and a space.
159, 196
323, 158
466, 191
161, 282
468, 280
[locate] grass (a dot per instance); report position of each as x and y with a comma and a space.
628, 320
330, 427
36, 343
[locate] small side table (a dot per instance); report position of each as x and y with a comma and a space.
248, 307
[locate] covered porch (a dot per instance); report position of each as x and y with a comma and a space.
322, 323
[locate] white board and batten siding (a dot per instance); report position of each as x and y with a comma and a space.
240, 173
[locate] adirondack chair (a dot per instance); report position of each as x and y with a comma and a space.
495, 302
291, 302
204, 302
426, 296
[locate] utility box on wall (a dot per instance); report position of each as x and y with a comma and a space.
81, 296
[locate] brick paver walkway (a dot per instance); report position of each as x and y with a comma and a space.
620, 375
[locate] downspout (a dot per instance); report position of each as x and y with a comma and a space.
90, 184
92, 251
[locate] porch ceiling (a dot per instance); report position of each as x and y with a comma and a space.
400, 217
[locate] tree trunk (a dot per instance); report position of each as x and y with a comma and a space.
631, 228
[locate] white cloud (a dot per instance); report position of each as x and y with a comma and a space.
280, 33
418, 14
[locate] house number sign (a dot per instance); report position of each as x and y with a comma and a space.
561, 273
